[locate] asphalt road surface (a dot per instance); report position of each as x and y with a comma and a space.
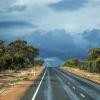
55, 84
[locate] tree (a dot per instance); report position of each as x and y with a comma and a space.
94, 57
72, 62
94, 53
97, 62
2, 48
92, 64
2, 51
7, 59
39, 62
22, 53
18, 54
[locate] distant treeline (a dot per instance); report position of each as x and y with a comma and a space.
18, 54
92, 64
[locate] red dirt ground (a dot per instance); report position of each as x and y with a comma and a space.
17, 91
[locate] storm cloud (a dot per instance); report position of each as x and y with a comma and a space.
15, 24
62, 29
68, 5
60, 44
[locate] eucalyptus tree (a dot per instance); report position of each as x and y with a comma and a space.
22, 53
93, 53
2, 48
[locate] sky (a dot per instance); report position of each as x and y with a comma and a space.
62, 29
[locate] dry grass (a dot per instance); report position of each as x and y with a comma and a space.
18, 91
91, 76
10, 78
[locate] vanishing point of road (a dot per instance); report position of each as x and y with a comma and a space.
54, 84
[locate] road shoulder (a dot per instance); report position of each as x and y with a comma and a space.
84, 74
17, 91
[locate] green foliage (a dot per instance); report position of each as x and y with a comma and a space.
91, 65
2, 48
97, 64
72, 62
83, 65
39, 62
94, 60
17, 54
94, 53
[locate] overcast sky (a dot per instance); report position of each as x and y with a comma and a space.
62, 29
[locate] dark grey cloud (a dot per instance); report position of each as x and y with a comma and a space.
15, 24
92, 38
58, 44
69, 5
17, 8
93, 35
6, 37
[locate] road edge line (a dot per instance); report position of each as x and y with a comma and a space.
34, 96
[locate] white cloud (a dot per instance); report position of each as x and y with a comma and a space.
6, 3
36, 2
39, 13
78, 21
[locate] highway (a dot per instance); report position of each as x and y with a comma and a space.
55, 84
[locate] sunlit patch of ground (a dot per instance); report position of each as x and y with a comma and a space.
91, 76
13, 85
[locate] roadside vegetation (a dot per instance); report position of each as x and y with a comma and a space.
92, 64
14, 84
18, 55
89, 69
18, 62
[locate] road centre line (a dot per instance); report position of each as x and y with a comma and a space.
82, 95
73, 87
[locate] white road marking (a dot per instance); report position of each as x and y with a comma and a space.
68, 91
34, 96
49, 88
65, 80
73, 87
90, 92
68, 82
82, 95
